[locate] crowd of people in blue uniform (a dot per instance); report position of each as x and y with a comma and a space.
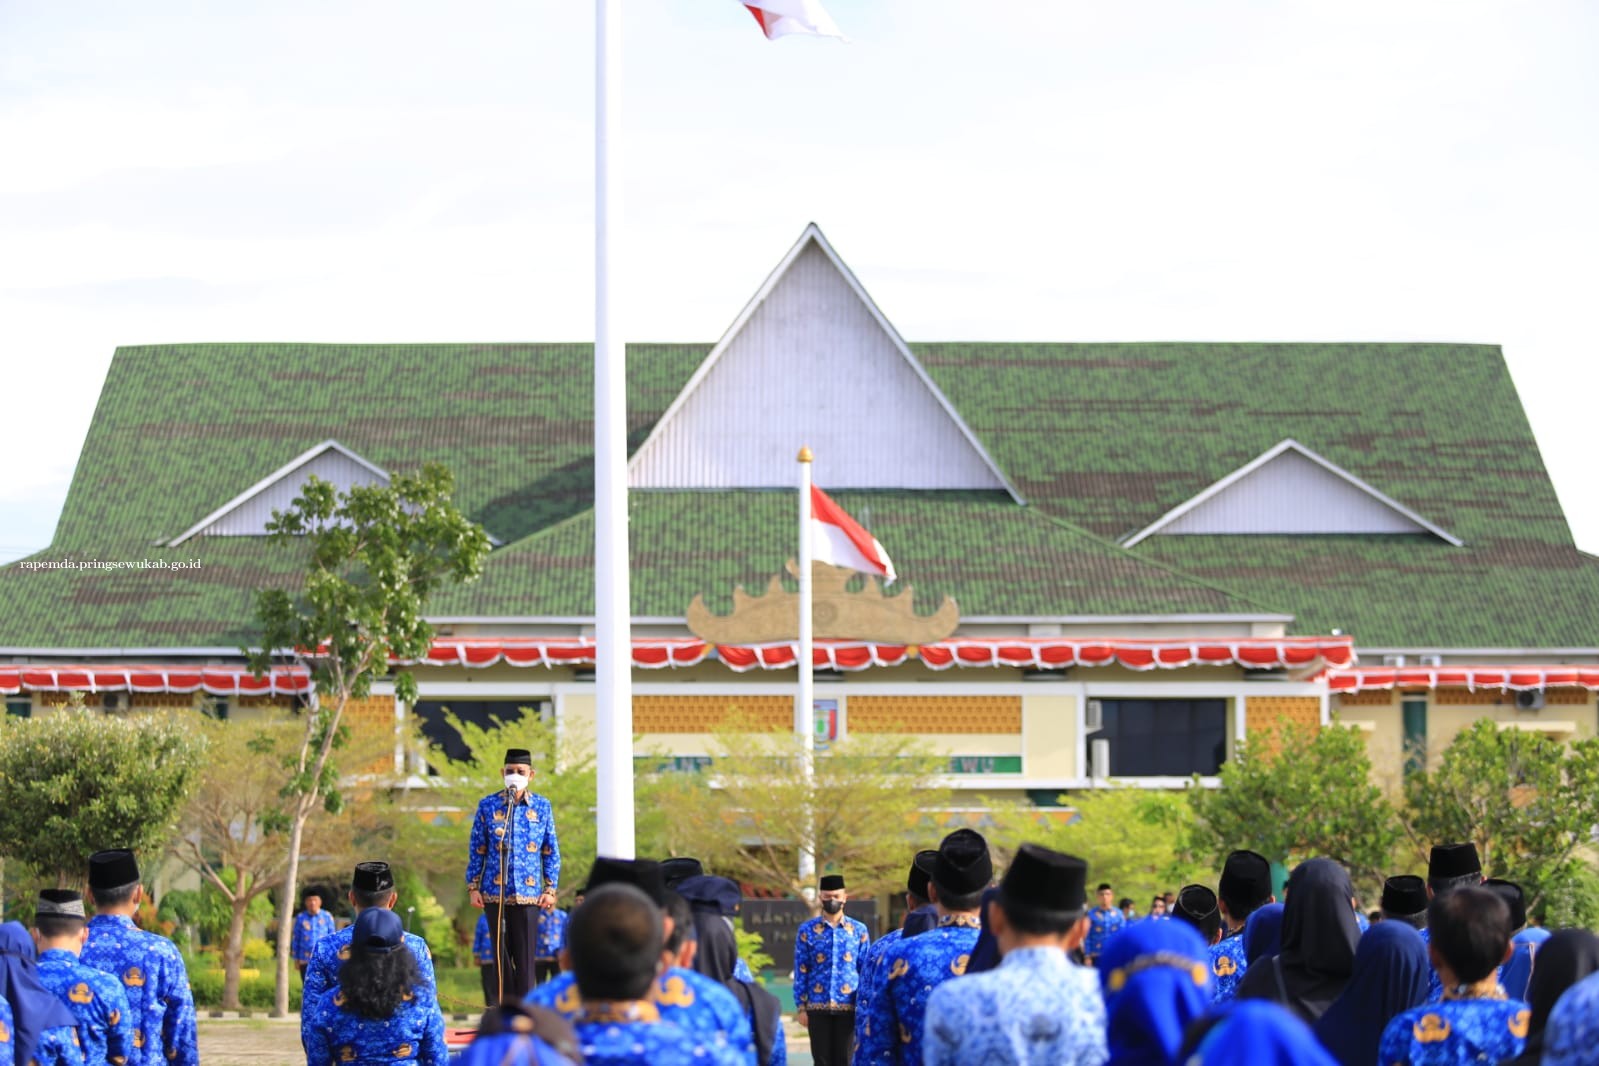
646, 968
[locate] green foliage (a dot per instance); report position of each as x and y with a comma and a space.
563, 773
1527, 800
1132, 838
865, 787
255, 992
1570, 899
425, 916
752, 949
1292, 796
76, 781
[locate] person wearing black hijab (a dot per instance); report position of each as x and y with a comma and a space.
1565, 958
1318, 945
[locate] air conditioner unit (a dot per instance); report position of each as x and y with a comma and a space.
1430, 660
1530, 699
1393, 660
1099, 759
1094, 716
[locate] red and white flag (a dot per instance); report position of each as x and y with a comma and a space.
839, 540
778, 18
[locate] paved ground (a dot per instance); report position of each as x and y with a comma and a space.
273, 1042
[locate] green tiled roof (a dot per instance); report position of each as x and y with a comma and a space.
1101, 439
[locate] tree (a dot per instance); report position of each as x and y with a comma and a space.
1132, 838
1294, 795
563, 767
742, 815
1528, 801
76, 781
234, 825
377, 553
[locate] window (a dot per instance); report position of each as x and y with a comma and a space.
1414, 719
487, 714
19, 706
1164, 738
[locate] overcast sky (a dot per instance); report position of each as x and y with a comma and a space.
1005, 170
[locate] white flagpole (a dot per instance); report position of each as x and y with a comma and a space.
804, 701
613, 668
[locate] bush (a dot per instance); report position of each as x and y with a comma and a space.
257, 950
255, 993
752, 949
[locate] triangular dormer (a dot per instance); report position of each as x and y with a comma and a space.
1289, 490
812, 361
247, 514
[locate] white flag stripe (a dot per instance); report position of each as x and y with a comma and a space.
782, 17
830, 544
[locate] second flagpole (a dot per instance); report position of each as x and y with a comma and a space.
804, 663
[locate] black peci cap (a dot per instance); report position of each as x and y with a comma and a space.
1045, 880
963, 865
1514, 898
921, 873
372, 877
1453, 860
831, 882
110, 870
518, 755
1195, 904
59, 903
1245, 880
1404, 896
642, 874
680, 869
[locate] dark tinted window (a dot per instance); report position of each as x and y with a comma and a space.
1164, 738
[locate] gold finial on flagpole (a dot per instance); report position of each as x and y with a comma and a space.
805, 454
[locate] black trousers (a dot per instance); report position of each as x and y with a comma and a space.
513, 937
832, 1037
544, 969
490, 983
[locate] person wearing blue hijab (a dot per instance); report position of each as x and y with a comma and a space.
1390, 977
1259, 1033
1263, 933
1155, 977
985, 953
45, 1031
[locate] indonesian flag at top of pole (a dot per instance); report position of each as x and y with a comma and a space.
839, 540
779, 18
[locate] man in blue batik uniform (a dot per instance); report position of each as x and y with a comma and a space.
1515, 974
1572, 1036
1103, 921
371, 887
906, 973
1450, 867
1245, 887
616, 940
689, 1000
151, 970
95, 998
310, 926
1037, 1006
1474, 1022
828, 951
513, 867
918, 914
401, 1022
550, 939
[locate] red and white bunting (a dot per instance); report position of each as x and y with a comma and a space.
213, 680
1494, 678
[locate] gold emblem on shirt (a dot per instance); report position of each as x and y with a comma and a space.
344, 953
133, 978
403, 1051
570, 1000
904, 1034
1518, 1024
958, 965
673, 992
346, 1053
1225, 966
899, 969
80, 993
1430, 1029
138, 1038
115, 1017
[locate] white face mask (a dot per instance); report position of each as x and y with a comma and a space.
516, 781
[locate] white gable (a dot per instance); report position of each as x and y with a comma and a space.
812, 361
247, 514
1290, 490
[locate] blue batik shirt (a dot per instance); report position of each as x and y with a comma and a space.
308, 930
1103, 922
1572, 1035
323, 972
510, 1049
863, 994
8, 1042
157, 986
626, 1034
1455, 1032
96, 999
532, 854
1227, 965
413, 1033
1036, 1008
58, 1046
904, 977
827, 963
551, 932
1515, 974
482, 946
689, 1000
